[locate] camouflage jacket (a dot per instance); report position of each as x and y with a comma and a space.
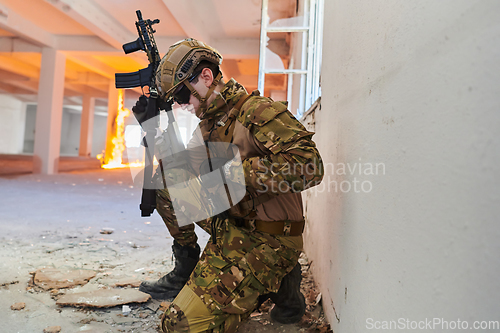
277, 152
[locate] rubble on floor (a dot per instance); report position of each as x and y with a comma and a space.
64, 243
18, 306
52, 278
104, 298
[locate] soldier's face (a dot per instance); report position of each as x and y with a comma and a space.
192, 105
201, 85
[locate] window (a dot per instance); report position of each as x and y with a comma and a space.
290, 55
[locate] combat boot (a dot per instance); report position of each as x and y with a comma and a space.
186, 258
289, 303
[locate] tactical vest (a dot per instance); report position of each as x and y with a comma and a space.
222, 130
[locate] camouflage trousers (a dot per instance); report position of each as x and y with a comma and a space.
234, 269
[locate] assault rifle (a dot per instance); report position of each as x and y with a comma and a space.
149, 121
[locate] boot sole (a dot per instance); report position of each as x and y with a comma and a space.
165, 296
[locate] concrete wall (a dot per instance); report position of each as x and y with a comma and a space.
13, 114
413, 85
70, 132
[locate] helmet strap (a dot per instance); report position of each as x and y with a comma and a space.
194, 92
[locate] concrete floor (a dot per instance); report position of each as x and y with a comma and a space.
55, 221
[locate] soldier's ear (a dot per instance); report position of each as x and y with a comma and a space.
207, 76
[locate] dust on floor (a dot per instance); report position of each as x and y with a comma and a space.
89, 222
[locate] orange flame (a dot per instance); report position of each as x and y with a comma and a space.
118, 139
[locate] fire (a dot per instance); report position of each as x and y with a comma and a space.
118, 139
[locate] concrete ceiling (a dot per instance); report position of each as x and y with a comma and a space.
91, 34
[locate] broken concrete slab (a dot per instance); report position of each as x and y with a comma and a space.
52, 329
104, 298
132, 282
18, 306
121, 282
53, 278
107, 231
154, 305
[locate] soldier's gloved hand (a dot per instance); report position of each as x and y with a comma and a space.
140, 109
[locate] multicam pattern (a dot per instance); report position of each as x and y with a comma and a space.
244, 264
232, 273
228, 97
183, 235
174, 320
294, 163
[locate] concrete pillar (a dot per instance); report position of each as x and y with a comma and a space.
87, 126
112, 113
49, 112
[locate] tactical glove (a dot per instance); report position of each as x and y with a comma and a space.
140, 109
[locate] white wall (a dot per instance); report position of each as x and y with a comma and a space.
70, 132
13, 114
413, 85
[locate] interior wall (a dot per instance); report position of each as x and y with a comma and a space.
405, 223
13, 114
70, 132
29, 132
99, 134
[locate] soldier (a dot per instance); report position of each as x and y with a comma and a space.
253, 251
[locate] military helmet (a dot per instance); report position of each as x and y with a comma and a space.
179, 63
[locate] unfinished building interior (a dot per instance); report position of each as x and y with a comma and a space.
402, 97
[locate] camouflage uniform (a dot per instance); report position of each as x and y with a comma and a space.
242, 263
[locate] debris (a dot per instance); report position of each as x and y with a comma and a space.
52, 329
58, 248
18, 306
126, 310
153, 305
119, 280
104, 298
52, 278
311, 297
120, 319
6, 284
164, 306
266, 306
86, 321
314, 319
318, 299
132, 282
56, 293
107, 231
